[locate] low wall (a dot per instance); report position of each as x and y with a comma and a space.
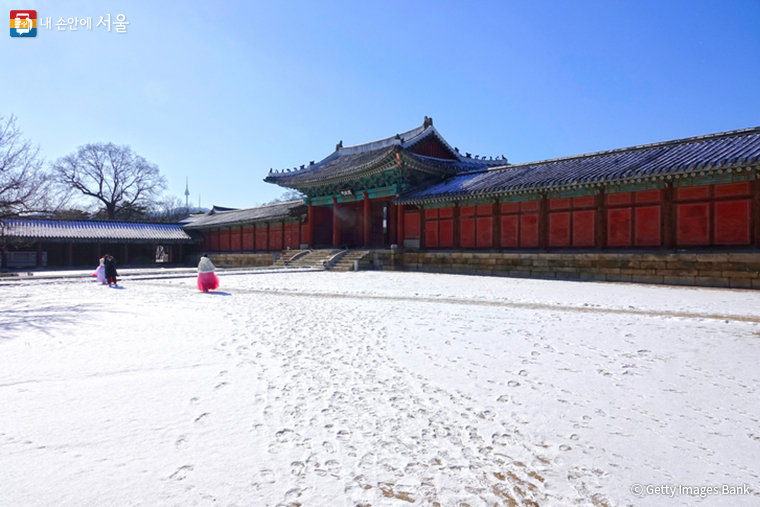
237, 260
739, 270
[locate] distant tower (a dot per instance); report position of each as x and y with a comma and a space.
187, 193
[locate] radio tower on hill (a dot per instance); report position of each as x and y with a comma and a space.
187, 194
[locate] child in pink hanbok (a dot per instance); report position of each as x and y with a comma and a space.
100, 273
207, 280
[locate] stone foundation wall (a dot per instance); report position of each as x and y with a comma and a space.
237, 260
738, 270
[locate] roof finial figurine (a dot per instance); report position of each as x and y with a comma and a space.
428, 122
339, 145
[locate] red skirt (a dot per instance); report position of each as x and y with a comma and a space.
207, 281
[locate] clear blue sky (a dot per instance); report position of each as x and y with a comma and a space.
222, 91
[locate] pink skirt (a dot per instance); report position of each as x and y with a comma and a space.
207, 281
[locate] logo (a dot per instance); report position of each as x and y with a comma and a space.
23, 23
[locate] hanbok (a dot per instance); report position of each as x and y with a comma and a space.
207, 279
100, 273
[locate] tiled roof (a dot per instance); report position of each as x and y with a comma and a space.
726, 150
94, 231
332, 168
347, 162
242, 216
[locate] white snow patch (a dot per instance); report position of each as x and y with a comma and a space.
375, 389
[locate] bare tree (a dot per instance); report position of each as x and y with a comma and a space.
114, 175
169, 208
287, 196
25, 187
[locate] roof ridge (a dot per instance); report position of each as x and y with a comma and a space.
399, 136
258, 207
639, 147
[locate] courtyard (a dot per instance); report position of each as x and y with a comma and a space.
377, 389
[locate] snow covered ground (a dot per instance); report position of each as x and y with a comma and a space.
346, 389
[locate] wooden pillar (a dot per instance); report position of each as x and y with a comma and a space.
180, 255
153, 247
668, 216
423, 228
38, 262
496, 212
310, 226
4, 256
69, 254
125, 254
457, 243
336, 224
601, 220
400, 229
755, 185
543, 224
282, 235
367, 218
392, 224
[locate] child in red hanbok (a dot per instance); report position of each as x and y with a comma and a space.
207, 280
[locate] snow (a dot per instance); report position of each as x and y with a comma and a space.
375, 388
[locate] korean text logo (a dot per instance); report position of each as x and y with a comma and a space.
23, 23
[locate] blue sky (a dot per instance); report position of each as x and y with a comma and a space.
219, 92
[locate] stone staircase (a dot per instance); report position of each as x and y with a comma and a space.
346, 262
332, 259
287, 257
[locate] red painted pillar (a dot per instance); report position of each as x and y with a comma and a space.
400, 218
392, 224
367, 219
336, 224
310, 226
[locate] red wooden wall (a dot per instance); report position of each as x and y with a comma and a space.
520, 224
275, 236
235, 239
292, 236
439, 228
476, 226
635, 218
713, 214
572, 221
262, 237
411, 224
248, 239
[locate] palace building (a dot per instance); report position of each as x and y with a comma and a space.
681, 211
417, 191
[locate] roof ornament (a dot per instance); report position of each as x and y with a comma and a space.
303, 166
456, 149
311, 162
428, 122
467, 155
339, 145
398, 137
